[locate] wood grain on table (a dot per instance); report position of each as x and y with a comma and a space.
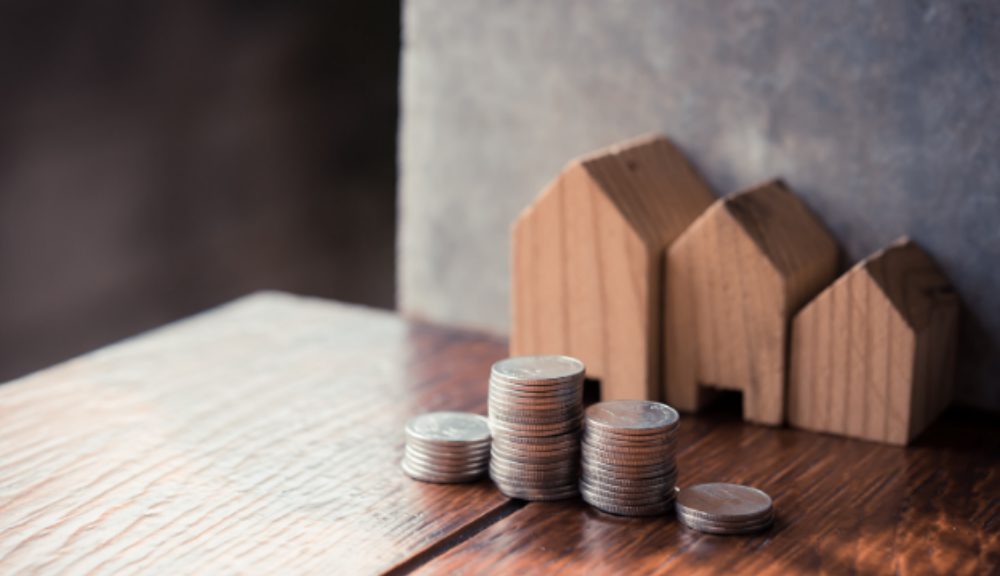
264, 437
842, 507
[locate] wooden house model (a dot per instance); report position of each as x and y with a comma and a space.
873, 356
587, 262
734, 280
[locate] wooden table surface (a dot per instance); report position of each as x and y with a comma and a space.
264, 437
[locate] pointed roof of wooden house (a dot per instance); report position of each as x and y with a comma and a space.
650, 183
910, 280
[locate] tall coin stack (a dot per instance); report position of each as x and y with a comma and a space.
628, 457
535, 408
447, 447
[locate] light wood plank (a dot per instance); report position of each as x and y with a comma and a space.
263, 437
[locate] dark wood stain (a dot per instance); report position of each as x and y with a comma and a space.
265, 438
843, 506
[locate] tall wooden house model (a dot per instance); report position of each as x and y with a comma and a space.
587, 262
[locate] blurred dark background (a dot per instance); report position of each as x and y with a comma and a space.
160, 158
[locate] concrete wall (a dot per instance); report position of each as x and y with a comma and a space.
884, 116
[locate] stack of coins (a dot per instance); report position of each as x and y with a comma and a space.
535, 407
628, 457
724, 508
447, 447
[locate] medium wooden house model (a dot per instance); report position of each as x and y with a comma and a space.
734, 280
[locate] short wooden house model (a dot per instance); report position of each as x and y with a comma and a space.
873, 356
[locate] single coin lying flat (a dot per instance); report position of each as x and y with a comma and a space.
721, 508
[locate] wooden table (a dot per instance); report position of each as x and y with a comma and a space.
264, 437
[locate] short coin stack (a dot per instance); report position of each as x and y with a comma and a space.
447, 447
628, 457
535, 407
720, 508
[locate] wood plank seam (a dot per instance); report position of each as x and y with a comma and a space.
455, 538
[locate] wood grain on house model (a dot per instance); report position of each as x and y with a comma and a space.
733, 281
873, 356
587, 262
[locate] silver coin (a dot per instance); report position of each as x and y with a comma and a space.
565, 384
446, 448
569, 392
692, 520
444, 468
588, 459
522, 467
452, 449
615, 446
609, 440
657, 483
611, 508
538, 369
565, 387
612, 492
440, 478
568, 487
452, 458
546, 386
529, 411
418, 458
533, 408
632, 417
592, 453
530, 451
515, 464
619, 478
618, 472
536, 451
590, 476
545, 420
624, 499
509, 488
439, 468
535, 479
666, 486
591, 497
630, 458
543, 450
661, 484
529, 484
722, 501
502, 437
538, 495
722, 530
549, 485
534, 416
449, 427
597, 464
625, 457
536, 457
534, 430
514, 471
